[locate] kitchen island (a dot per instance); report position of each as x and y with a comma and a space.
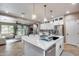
34, 46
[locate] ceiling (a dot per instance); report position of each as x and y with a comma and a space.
59, 9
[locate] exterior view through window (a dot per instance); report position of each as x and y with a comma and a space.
7, 30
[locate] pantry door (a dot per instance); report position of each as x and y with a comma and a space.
72, 32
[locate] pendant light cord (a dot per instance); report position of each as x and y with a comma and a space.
50, 12
44, 10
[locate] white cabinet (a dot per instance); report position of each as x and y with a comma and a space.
72, 32
56, 49
59, 47
58, 20
46, 26
49, 26
42, 26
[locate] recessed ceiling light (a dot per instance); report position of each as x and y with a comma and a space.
52, 16
33, 16
45, 19
67, 12
22, 15
6, 12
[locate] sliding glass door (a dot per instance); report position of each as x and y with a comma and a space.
4, 29
10, 31
25, 30
7, 31
22, 29
19, 29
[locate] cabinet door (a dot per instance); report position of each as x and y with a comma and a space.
61, 22
59, 47
42, 26
47, 26
72, 32
56, 21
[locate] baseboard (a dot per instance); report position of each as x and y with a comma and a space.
77, 45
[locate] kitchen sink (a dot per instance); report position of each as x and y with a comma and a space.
53, 38
46, 38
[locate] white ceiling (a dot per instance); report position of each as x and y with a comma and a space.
27, 8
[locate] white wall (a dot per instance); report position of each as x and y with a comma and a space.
13, 20
72, 29
7, 19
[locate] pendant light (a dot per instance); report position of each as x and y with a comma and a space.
51, 13
33, 15
22, 14
51, 16
45, 19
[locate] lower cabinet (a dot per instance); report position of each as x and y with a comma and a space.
59, 47
56, 49
51, 51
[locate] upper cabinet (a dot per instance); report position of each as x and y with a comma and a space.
58, 20
50, 25
42, 26
46, 26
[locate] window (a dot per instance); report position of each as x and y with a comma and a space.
7, 31
11, 29
21, 30
4, 29
25, 30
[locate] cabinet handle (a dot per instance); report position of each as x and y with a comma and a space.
60, 46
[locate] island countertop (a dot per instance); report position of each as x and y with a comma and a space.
36, 41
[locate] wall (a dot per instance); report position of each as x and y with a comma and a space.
5, 20
71, 24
